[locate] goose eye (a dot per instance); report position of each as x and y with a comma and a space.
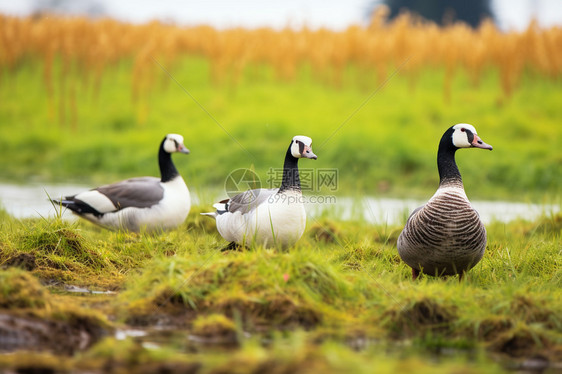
462, 129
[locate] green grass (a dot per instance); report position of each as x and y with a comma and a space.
340, 299
388, 146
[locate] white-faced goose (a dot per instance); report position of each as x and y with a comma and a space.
269, 217
139, 203
445, 236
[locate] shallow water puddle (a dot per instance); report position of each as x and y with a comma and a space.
122, 334
142, 335
76, 289
31, 200
396, 211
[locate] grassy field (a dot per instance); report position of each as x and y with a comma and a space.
382, 144
340, 300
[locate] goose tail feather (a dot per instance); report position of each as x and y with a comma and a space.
62, 202
220, 206
211, 214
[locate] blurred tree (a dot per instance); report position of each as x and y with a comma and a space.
442, 12
91, 8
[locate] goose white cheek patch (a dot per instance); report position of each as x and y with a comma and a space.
460, 139
295, 147
295, 150
170, 145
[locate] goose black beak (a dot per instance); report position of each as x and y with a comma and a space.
183, 149
478, 143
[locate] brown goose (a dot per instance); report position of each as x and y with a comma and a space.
445, 236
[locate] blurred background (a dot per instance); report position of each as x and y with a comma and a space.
337, 15
89, 88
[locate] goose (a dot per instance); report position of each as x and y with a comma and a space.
268, 217
446, 236
148, 203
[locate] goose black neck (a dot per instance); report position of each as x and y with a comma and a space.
168, 170
291, 179
449, 173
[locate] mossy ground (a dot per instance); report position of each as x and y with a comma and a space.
340, 299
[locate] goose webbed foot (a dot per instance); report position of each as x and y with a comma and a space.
232, 246
415, 274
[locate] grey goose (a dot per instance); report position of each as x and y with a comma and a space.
134, 204
446, 236
268, 217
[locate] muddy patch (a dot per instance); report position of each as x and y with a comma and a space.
214, 329
58, 337
490, 328
523, 342
422, 316
275, 310
25, 261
